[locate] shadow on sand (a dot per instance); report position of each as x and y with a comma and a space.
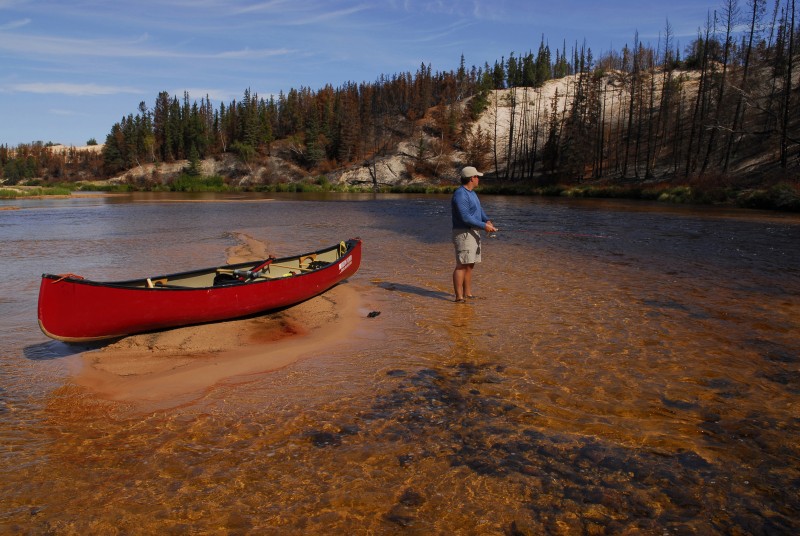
411, 289
45, 351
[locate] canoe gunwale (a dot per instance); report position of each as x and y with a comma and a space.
75, 309
137, 284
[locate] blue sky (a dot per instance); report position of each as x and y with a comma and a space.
70, 69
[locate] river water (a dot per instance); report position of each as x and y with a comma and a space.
627, 368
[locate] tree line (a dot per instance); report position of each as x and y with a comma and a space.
644, 112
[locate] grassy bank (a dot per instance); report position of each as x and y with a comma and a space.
36, 191
782, 196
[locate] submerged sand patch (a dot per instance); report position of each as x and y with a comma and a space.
171, 367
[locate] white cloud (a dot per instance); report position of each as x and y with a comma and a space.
74, 90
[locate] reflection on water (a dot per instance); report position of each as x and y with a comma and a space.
626, 369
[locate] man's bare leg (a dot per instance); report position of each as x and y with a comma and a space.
462, 279
468, 281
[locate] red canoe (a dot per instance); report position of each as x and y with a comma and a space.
74, 309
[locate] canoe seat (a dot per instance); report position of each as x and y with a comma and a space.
307, 258
156, 283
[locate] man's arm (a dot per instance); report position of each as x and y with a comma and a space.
463, 206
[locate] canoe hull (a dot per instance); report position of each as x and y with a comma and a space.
72, 309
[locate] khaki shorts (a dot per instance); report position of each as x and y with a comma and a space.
468, 246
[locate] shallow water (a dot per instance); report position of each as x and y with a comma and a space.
626, 367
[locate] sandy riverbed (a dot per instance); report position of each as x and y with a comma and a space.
173, 367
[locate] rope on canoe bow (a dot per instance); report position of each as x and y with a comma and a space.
62, 277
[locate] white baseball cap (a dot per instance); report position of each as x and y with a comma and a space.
469, 172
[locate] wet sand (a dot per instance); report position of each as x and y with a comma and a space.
174, 367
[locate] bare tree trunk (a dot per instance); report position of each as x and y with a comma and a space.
738, 114
632, 103
521, 144
678, 141
730, 11
601, 131
620, 130
788, 91
494, 144
511, 124
665, 106
648, 166
536, 130
768, 116
526, 133
639, 121
698, 115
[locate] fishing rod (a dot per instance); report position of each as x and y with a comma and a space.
493, 234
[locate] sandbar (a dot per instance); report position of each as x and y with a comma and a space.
174, 367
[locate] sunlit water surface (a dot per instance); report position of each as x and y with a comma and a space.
626, 368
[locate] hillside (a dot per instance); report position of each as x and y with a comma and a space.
509, 141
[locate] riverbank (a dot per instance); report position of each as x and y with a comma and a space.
779, 196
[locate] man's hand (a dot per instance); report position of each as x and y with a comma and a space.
490, 228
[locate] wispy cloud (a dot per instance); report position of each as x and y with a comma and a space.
292, 13
329, 15
74, 90
60, 47
64, 46
261, 6
250, 53
436, 35
477, 9
14, 24
11, 3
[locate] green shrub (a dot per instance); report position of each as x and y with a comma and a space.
592, 191
105, 187
190, 183
55, 190
782, 196
6, 193
324, 184
678, 194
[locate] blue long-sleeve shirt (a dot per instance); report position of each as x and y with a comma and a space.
467, 211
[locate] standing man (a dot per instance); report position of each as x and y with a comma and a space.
468, 218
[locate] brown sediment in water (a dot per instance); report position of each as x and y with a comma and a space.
173, 367
249, 249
